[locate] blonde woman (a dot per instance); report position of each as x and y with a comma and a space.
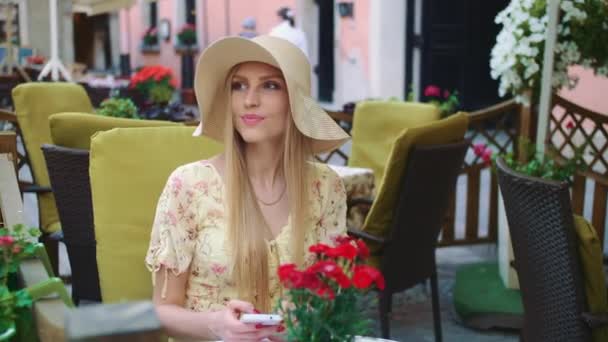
224, 225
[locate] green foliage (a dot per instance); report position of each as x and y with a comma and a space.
16, 244
545, 167
119, 108
161, 93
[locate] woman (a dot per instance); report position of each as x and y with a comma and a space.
224, 225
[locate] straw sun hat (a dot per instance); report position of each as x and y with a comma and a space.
213, 90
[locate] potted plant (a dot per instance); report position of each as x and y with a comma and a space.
157, 84
187, 35
324, 297
150, 39
119, 108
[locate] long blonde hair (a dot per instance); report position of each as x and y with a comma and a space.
247, 229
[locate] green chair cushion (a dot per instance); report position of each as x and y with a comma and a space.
376, 125
591, 257
129, 168
75, 130
34, 103
443, 131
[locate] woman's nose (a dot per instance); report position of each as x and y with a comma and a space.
252, 98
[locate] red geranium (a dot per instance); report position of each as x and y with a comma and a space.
328, 290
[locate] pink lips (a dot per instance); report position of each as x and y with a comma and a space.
251, 119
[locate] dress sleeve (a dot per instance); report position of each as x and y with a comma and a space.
332, 221
176, 225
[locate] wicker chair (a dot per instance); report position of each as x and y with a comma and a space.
408, 252
69, 175
546, 258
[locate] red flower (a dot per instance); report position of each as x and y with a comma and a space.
16, 249
363, 250
345, 250
331, 270
446, 94
570, 124
364, 276
479, 149
6, 241
487, 156
326, 292
319, 248
432, 91
341, 239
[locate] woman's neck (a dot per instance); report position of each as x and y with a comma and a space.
264, 164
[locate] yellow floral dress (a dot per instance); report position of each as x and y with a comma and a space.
189, 231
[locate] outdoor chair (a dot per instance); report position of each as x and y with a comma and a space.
68, 170
405, 219
34, 103
129, 167
376, 125
546, 258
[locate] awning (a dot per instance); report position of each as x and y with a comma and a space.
93, 7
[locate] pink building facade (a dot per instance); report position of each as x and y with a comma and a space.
369, 44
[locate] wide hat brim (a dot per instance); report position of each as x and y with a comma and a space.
213, 91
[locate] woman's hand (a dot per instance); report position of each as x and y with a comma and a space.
228, 327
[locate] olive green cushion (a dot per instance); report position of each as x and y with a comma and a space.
592, 264
129, 168
34, 103
74, 130
443, 131
376, 125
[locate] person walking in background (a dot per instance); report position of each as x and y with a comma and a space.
249, 28
287, 30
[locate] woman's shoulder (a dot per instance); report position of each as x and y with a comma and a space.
322, 171
198, 170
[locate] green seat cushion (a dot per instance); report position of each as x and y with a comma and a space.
376, 125
450, 129
75, 130
129, 168
592, 265
34, 103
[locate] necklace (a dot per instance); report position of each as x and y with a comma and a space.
273, 202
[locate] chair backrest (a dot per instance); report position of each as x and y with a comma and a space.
427, 184
69, 175
76, 129
376, 125
34, 103
445, 131
544, 247
129, 168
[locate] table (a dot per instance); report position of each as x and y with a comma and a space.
359, 182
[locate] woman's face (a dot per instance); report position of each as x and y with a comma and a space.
260, 103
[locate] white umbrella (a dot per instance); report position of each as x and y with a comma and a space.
546, 88
91, 7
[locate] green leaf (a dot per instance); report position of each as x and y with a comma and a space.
23, 299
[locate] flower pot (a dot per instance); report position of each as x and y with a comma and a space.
188, 96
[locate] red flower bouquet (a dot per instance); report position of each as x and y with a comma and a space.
155, 82
323, 298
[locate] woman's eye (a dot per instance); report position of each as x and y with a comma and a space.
238, 86
272, 85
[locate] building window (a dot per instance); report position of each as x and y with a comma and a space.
153, 14
190, 12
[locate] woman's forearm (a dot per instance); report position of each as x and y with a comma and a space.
184, 323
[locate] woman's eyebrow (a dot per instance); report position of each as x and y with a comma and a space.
261, 78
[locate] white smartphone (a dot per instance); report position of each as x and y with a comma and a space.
262, 319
